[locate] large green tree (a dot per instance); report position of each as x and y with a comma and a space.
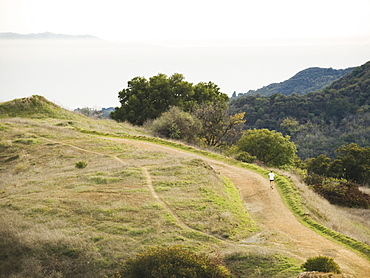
352, 163
147, 99
271, 147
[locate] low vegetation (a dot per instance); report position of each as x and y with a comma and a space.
321, 264
172, 262
81, 164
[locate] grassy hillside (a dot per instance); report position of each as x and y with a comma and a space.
58, 220
34, 107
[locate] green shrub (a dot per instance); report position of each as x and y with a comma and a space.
339, 192
245, 157
321, 264
234, 151
177, 124
81, 164
313, 179
171, 262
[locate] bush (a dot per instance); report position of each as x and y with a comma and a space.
314, 179
171, 262
177, 124
245, 157
321, 264
339, 192
81, 164
234, 152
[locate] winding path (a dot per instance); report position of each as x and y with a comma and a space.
278, 224
279, 227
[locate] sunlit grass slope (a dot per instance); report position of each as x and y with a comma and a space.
58, 220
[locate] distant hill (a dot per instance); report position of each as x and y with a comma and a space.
305, 81
318, 122
46, 35
104, 113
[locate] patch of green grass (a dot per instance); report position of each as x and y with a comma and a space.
103, 180
26, 141
204, 200
263, 266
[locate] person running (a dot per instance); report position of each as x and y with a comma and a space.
271, 177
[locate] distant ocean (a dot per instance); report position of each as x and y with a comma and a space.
90, 73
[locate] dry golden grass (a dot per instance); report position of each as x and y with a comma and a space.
61, 221
352, 222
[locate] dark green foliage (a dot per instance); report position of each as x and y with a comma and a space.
320, 121
308, 80
336, 180
319, 165
270, 147
171, 262
341, 193
321, 264
245, 157
81, 164
148, 99
352, 163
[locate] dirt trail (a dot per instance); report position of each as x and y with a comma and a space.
279, 226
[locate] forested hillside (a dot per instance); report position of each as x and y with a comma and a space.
318, 122
305, 81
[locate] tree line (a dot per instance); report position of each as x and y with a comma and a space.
319, 122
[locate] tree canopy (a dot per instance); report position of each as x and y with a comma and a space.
270, 147
147, 99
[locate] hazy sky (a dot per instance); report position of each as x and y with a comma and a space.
122, 20
237, 44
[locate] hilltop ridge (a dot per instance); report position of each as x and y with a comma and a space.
304, 82
34, 106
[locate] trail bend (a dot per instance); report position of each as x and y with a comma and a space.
278, 224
